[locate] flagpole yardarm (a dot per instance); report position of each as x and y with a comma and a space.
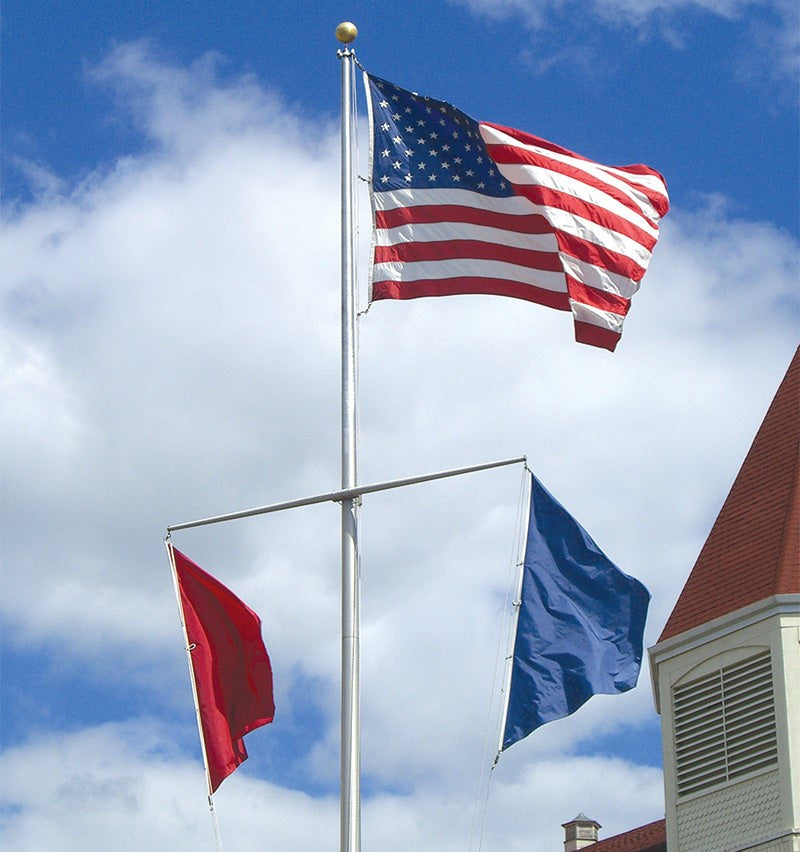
350, 757
344, 494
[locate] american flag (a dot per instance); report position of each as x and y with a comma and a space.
461, 206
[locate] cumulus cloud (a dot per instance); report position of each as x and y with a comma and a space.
170, 351
615, 9
773, 26
128, 306
125, 786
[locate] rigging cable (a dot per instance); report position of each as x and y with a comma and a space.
494, 713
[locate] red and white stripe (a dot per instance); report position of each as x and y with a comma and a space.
576, 236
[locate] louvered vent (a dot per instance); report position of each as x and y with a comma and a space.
725, 724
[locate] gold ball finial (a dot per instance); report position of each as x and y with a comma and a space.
346, 32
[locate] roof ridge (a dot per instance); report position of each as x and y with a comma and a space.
654, 834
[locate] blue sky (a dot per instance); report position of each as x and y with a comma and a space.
706, 96
170, 350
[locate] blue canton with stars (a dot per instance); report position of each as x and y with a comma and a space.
420, 142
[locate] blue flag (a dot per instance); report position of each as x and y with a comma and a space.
581, 622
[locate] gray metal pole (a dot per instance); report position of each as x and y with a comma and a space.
343, 494
350, 778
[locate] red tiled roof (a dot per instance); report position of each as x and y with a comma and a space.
647, 838
753, 550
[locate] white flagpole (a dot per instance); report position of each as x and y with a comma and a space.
339, 496
350, 778
189, 647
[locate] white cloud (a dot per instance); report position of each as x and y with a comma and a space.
170, 331
618, 11
126, 786
128, 307
773, 26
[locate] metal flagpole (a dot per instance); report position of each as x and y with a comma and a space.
350, 778
350, 494
344, 494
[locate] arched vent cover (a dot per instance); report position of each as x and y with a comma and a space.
725, 724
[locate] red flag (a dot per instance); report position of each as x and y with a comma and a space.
232, 671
